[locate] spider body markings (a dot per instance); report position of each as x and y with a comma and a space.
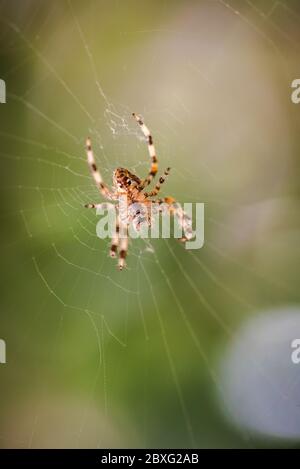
128, 185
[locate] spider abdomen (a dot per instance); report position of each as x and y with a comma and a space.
124, 178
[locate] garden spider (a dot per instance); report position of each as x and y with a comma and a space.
130, 186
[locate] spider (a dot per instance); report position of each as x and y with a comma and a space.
128, 185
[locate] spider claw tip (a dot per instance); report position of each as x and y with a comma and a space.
122, 266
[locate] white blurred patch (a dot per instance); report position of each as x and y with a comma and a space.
259, 381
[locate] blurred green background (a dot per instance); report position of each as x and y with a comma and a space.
102, 358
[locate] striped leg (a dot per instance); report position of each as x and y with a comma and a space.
115, 239
123, 245
95, 172
175, 208
157, 186
185, 222
103, 206
165, 200
152, 153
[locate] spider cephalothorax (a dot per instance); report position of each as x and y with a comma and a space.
130, 186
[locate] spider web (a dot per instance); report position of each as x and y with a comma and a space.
133, 358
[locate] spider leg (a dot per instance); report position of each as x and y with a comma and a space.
96, 173
169, 203
152, 153
157, 186
115, 239
123, 244
103, 206
165, 200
